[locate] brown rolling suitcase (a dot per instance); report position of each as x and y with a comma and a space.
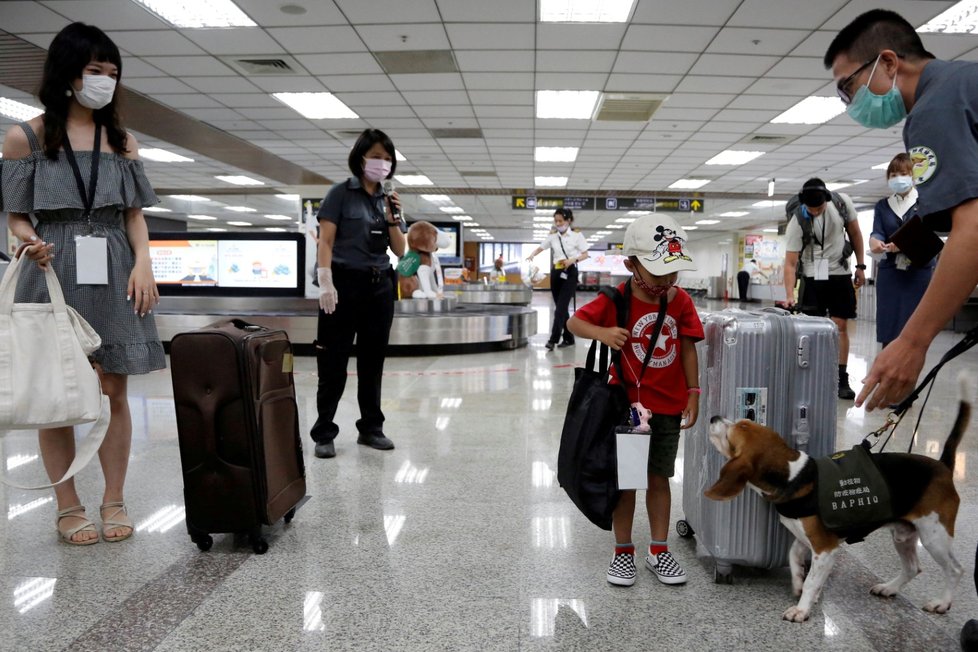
238, 427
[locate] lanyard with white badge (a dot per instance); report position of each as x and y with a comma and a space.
91, 252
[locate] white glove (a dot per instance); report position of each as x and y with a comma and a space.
328, 297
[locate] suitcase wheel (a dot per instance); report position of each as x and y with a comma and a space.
684, 529
289, 515
204, 542
258, 543
722, 574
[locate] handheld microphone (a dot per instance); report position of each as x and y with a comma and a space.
388, 191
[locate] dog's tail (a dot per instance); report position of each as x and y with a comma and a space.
966, 391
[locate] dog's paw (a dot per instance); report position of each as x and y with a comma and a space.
938, 606
883, 590
795, 614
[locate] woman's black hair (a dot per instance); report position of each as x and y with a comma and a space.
565, 213
368, 139
72, 49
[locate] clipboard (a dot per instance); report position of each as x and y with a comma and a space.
917, 242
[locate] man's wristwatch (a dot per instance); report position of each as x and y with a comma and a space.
860, 267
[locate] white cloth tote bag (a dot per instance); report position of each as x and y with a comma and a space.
46, 379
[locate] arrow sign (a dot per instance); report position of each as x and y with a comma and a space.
696, 205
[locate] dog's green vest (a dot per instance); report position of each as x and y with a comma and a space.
852, 493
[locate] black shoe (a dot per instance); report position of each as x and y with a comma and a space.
566, 343
969, 636
375, 440
845, 392
550, 346
325, 450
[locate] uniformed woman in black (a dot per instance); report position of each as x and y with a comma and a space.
357, 225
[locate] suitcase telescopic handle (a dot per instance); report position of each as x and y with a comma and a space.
245, 326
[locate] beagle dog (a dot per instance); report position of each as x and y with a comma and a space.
923, 495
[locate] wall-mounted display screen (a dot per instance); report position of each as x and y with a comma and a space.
452, 254
228, 264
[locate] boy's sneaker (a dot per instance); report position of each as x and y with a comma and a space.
665, 567
621, 572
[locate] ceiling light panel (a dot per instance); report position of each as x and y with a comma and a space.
689, 184
233, 223
555, 154
814, 110
585, 11
414, 180
239, 180
550, 182
162, 156
961, 18
18, 110
735, 214
198, 14
734, 157
241, 209
707, 222
566, 105
317, 106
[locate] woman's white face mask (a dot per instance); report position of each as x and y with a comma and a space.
96, 91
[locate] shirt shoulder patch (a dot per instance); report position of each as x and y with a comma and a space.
924, 163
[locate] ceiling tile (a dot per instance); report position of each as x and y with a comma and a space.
473, 12
491, 36
340, 63
590, 36
241, 40
311, 40
187, 66
801, 14
667, 38
689, 12
662, 84
410, 36
161, 42
494, 60
389, 11
756, 41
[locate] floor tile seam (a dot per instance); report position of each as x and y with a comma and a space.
158, 605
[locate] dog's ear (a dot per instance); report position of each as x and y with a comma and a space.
733, 478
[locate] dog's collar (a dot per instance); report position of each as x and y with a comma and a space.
807, 475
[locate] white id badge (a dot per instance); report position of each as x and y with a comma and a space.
902, 262
633, 460
91, 260
821, 269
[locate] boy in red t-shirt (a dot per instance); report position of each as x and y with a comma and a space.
669, 387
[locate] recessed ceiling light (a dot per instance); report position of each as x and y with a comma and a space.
162, 156
734, 157
451, 209
585, 11
471, 224
881, 166
279, 217
239, 223
603, 233
239, 180
462, 218
689, 184
960, 18
550, 182
812, 110
399, 156
201, 13
414, 180
616, 226
707, 222
273, 229
769, 230
769, 203
544, 211
567, 105
838, 185
289, 197
202, 218
627, 220
690, 228
156, 209
555, 154
216, 229
638, 213
436, 199
317, 106
190, 198
241, 209
735, 214
18, 110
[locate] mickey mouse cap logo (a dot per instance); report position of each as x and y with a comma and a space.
659, 244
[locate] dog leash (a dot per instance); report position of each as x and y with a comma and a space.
894, 418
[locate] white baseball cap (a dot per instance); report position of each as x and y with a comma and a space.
659, 244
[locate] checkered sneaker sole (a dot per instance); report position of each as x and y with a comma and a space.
622, 569
666, 568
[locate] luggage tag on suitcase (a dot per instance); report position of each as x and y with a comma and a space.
92, 258
632, 453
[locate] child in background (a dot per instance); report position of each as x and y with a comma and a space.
669, 386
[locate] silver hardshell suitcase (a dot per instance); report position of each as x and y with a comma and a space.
776, 369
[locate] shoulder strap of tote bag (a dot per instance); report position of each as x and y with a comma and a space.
89, 446
622, 303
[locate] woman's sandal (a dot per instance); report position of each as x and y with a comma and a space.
78, 512
113, 521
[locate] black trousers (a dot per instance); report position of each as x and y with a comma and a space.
365, 309
563, 290
743, 284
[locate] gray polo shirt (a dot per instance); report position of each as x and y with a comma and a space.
827, 243
941, 135
360, 220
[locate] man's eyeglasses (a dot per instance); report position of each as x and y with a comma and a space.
842, 88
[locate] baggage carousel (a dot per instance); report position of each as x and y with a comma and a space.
421, 327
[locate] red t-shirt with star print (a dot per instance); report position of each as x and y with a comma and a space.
663, 388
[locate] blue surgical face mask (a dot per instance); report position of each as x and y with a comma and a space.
900, 184
877, 111
805, 213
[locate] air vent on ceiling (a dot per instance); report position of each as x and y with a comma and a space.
768, 138
478, 173
262, 65
455, 133
406, 62
628, 107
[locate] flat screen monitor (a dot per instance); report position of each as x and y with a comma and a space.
228, 264
452, 254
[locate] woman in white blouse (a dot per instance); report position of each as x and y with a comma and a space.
567, 248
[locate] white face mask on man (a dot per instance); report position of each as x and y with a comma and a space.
96, 92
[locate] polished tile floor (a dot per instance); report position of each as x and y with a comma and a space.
460, 539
